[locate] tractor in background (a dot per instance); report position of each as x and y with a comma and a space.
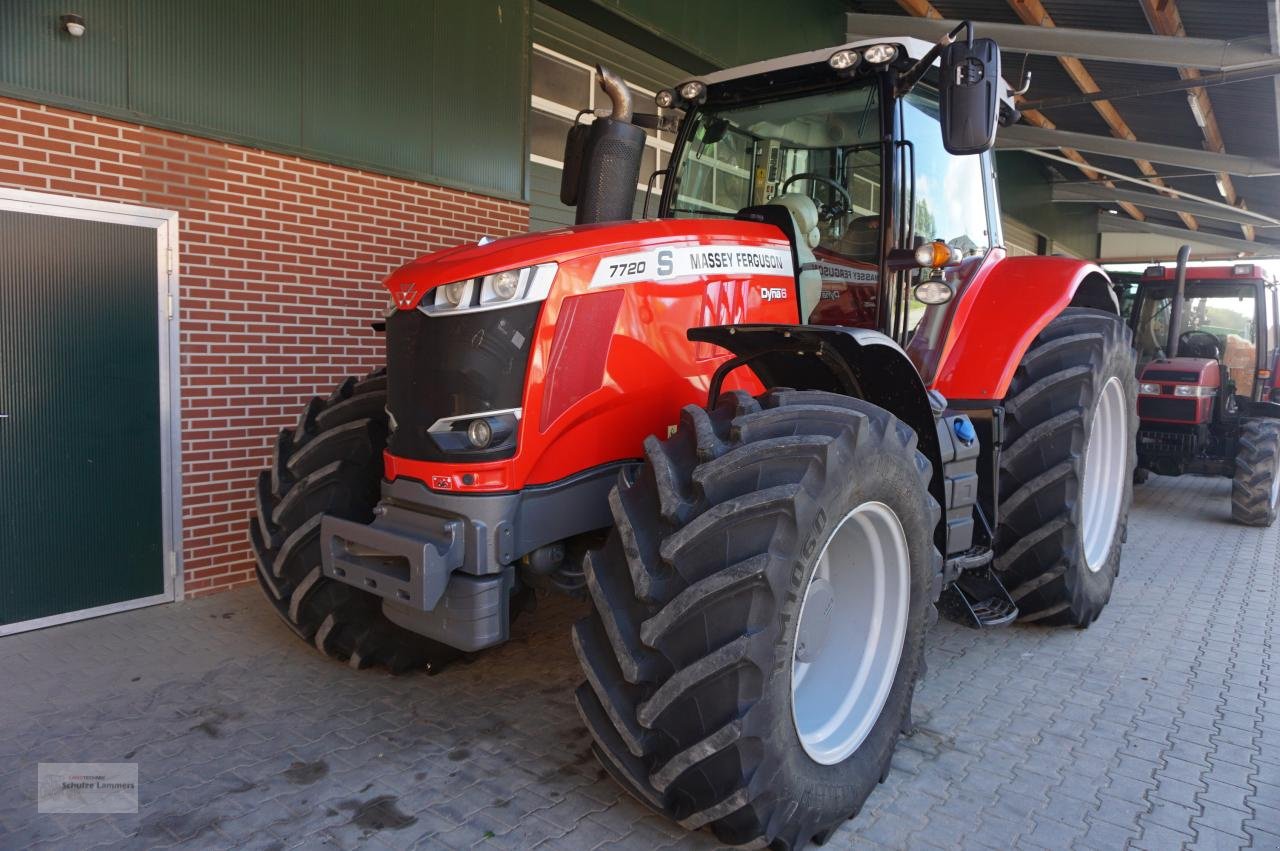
1208, 404
767, 434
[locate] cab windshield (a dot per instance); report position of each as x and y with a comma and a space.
1219, 321
826, 146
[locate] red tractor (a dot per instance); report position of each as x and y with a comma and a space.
765, 433
1206, 364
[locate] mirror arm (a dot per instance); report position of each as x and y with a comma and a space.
648, 190
908, 81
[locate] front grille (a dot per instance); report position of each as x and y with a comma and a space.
1182, 410
447, 366
1160, 442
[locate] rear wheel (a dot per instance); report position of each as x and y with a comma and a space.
1067, 468
1255, 490
330, 463
760, 611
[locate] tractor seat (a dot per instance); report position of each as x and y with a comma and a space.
796, 215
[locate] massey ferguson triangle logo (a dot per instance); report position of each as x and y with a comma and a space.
404, 294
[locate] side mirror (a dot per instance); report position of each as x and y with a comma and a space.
575, 154
970, 95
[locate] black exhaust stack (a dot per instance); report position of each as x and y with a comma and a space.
1175, 309
602, 160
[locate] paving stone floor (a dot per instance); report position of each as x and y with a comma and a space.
1158, 727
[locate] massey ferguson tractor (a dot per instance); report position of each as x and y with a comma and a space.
1206, 363
767, 434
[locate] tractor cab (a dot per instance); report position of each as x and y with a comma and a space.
863, 156
1228, 318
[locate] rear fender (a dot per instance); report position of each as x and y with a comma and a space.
1000, 313
852, 361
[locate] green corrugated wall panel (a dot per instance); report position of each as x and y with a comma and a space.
1025, 195
566, 35
479, 61
37, 57
366, 93
233, 66
81, 519
428, 89
722, 32
545, 209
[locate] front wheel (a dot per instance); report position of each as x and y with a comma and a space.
1255, 489
1067, 468
760, 611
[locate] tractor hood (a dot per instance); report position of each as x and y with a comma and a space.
410, 282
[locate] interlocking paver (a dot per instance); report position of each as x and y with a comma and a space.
1158, 726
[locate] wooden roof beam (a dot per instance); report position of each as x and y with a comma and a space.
925, 9
1033, 13
1165, 20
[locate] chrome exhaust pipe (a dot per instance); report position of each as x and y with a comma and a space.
616, 88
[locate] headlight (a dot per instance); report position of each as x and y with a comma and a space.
479, 432
501, 289
693, 91
1193, 391
502, 286
457, 292
933, 292
1149, 389
878, 54
665, 99
843, 60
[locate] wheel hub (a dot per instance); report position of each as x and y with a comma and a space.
811, 635
851, 631
1105, 470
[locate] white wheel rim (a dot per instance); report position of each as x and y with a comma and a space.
1104, 472
854, 614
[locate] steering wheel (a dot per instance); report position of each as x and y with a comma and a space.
1199, 344
826, 212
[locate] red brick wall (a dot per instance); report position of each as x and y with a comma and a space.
279, 275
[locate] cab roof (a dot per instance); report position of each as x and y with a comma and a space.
914, 48
1235, 272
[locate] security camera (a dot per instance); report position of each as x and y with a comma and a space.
73, 24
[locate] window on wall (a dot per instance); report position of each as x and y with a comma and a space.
562, 87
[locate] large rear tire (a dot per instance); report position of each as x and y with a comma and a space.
1067, 468
1255, 489
761, 536
330, 463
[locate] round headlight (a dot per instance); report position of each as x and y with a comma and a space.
665, 98
924, 255
693, 90
504, 284
454, 293
878, 54
933, 292
843, 60
479, 432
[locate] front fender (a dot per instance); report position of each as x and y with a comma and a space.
1000, 313
852, 361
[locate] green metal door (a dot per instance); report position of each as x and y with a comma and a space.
81, 513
